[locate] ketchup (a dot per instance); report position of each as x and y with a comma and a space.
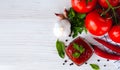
84, 56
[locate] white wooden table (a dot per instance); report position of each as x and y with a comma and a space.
26, 37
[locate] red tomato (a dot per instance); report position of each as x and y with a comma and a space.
114, 33
82, 6
84, 56
104, 4
96, 24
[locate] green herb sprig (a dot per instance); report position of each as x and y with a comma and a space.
95, 66
79, 51
77, 22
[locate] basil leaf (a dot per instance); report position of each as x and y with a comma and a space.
95, 66
76, 55
81, 49
60, 46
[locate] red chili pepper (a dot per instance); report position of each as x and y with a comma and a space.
108, 45
104, 54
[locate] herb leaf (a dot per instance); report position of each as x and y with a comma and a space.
81, 16
85, 30
81, 49
77, 22
95, 66
60, 48
76, 54
76, 46
71, 13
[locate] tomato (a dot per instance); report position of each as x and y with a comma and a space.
96, 24
104, 4
114, 33
82, 6
84, 56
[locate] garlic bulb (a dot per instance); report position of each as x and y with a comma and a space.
62, 28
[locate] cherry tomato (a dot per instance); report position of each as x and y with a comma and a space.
96, 24
114, 33
82, 6
84, 56
104, 4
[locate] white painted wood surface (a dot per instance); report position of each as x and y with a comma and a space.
26, 38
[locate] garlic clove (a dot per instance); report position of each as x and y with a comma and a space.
62, 28
57, 30
65, 13
60, 16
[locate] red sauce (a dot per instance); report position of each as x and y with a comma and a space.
84, 56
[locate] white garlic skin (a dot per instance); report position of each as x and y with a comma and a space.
62, 28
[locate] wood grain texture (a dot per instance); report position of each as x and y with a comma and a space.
26, 38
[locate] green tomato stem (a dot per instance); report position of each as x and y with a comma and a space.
114, 14
105, 12
113, 10
117, 7
109, 4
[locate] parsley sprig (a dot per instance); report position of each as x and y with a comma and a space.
77, 22
79, 51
